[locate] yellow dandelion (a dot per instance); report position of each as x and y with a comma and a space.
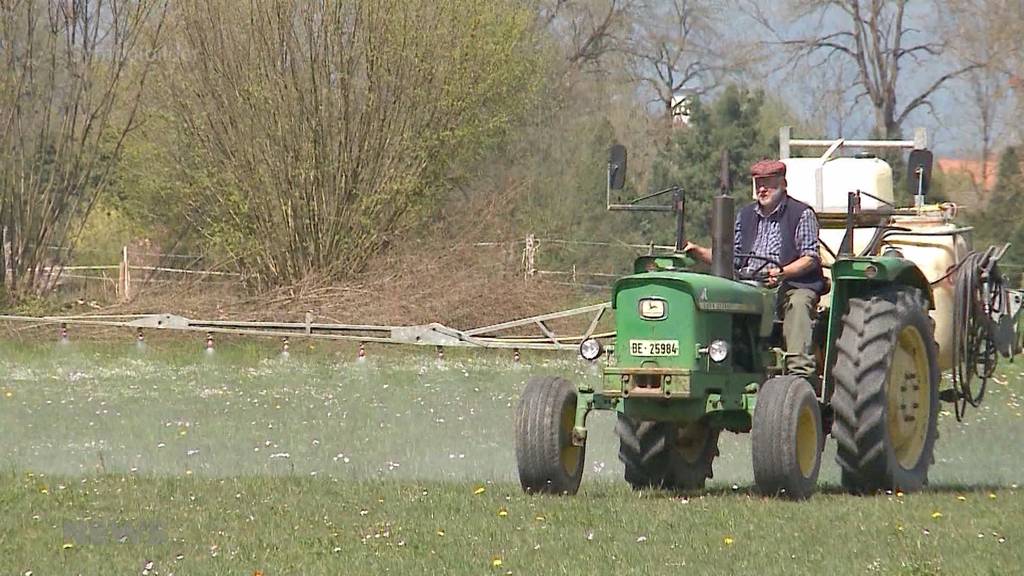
502, 512
899, 528
440, 532
68, 546
936, 514
496, 562
44, 490
899, 494
991, 495
8, 394
962, 498
479, 490
728, 540
182, 432
539, 518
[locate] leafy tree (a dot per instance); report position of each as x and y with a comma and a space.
1008, 177
692, 160
324, 131
1000, 222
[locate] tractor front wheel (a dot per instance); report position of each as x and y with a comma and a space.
886, 400
548, 460
666, 455
787, 438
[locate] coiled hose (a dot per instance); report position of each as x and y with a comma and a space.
978, 292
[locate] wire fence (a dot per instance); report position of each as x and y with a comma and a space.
127, 273
134, 269
138, 268
560, 261
553, 260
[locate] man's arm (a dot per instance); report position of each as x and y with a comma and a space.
800, 266
704, 254
699, 252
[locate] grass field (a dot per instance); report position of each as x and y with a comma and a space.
117, 460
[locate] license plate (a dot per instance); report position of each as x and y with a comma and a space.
654, 347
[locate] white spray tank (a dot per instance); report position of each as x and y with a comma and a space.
825, 182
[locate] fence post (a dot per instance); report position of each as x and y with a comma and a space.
124, 283
529, 254
8, 265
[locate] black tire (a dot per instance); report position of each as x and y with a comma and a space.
666, 455
548, 461
787, 438
878, 448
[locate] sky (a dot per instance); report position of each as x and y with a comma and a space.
951, 123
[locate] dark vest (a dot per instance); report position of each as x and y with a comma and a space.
789, 216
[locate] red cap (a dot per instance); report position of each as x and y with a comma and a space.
768, 168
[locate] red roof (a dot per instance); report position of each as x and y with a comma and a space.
971, 168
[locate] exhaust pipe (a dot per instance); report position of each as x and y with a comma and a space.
723, 221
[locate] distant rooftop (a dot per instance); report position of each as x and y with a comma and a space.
972, 169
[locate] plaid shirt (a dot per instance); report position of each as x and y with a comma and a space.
768, 240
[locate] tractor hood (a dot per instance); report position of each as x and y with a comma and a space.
710, 293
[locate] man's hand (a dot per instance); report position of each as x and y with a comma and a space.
699, 252
775, 277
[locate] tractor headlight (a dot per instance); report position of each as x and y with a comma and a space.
718, 350
591, 349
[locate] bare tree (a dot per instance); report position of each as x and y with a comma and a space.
831, 110
73, 74
987, 98
877, 37
987, 31
673, 50
590, 30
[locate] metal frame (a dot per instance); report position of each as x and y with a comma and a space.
433, 334
786, 143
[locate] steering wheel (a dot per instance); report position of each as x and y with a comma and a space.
758, 273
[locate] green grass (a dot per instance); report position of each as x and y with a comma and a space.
243, 461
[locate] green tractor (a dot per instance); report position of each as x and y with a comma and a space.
696, 353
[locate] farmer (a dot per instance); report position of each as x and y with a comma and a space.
785, 230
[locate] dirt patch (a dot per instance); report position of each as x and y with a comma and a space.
461, 287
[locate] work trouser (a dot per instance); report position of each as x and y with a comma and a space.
798, 307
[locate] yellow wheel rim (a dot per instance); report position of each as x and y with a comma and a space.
569, 454
908, 391
806, 441
691, 441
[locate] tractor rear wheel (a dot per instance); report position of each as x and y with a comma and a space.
548, 460
666, 455
886, 399
787, 438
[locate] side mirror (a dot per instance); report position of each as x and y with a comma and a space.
919, 172
616, 167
